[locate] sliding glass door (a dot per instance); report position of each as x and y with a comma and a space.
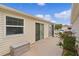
39, 31
52, 30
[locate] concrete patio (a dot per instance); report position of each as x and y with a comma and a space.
45, 47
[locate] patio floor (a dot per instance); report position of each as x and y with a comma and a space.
45, 47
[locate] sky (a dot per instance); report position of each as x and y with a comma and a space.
55, 12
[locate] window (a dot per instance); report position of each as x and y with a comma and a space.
14, 25
14, 21
14, 30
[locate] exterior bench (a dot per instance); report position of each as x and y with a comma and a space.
19, 48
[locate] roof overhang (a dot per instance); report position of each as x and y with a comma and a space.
24, 14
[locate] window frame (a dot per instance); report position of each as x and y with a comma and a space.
14, 26
15, 21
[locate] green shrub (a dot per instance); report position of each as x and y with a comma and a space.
70, 53
64, 34
68, 32
61, 35
60, 44
69, 43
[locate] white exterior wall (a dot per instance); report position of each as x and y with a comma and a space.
29, 32
75, 28
2, 25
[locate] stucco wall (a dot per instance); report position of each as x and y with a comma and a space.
75, 28
29, 31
